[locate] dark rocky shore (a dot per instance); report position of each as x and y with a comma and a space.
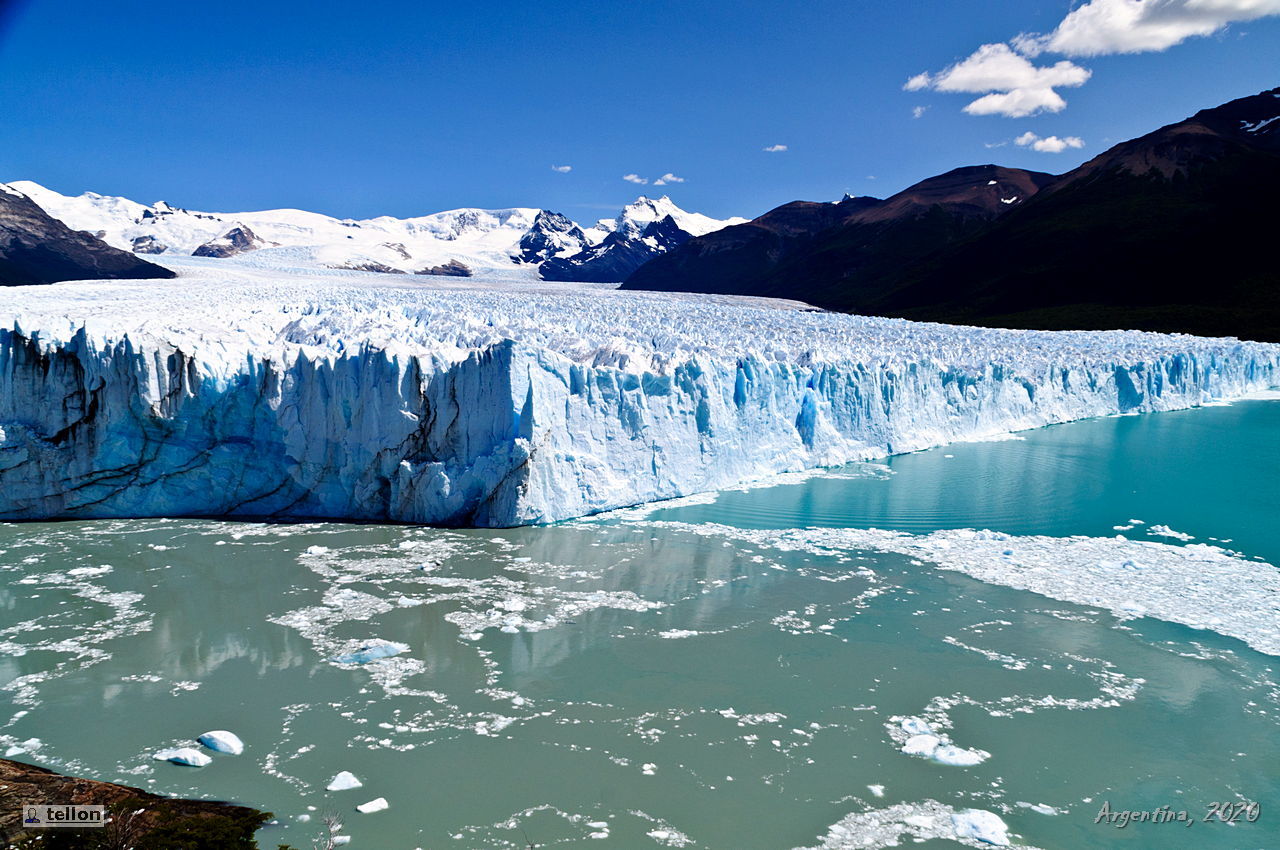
138, 819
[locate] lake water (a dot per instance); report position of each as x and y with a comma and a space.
681, 675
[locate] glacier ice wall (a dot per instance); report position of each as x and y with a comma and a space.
456, 413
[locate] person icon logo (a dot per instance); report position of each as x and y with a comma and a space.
33, 816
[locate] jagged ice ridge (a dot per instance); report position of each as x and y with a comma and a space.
239, 391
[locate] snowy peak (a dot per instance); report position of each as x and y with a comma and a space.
643, 211
550, 235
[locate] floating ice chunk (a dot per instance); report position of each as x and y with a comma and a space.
922, 745
648, 768
877, 790
916, 726
344, 781
1040, 808
189, 756
372, 652
1166, 531
222, 741
959, 756
341, 839
378, 804
317, 550
981, 825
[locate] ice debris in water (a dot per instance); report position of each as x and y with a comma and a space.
372, 652
1166, 531
919, 738
189, 756
378, 804
920, 822
222, 741
1197, 585
343, 781
982, 826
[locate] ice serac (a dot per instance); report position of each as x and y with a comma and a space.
509, 407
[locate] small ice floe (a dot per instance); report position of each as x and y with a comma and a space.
922, 740
648, 768
372, 652
1039, 808
317, 550
1166, 531
981, 825
189, 756
378, 804
877, 790
222, 741
344, 781
340, 839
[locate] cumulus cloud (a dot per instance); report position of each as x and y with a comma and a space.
634, 178
1102, 27
1011, 84
668, 178
918, 111
1048, 144
775, 149
563, 169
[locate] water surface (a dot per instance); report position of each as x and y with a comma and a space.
660, 683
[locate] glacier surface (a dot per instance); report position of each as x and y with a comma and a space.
245, 390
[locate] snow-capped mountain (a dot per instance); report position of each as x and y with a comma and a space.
618, 246
456, 242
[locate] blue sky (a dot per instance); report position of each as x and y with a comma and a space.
407, 108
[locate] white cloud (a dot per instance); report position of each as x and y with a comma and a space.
775, 149
1017, 87
563, 169
918, 111
919, 81
1048, 144
668, 178
1102, 27
634, 178
1012, 85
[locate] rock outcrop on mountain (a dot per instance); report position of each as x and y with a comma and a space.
237, 240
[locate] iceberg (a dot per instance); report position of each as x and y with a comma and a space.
343, 781
378, 804
371, 652
980, 825
270, 393
222, 741
189, 756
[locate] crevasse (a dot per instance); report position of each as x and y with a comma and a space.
517, 431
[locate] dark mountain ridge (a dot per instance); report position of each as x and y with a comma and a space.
1168, 232
36, 248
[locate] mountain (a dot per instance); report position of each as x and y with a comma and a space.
646, 228
36, 248
819, 247
518, 241
1169, 232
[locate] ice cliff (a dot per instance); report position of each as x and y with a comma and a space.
231, 393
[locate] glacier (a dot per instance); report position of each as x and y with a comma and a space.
240, 390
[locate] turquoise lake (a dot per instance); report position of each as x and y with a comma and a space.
678, 675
